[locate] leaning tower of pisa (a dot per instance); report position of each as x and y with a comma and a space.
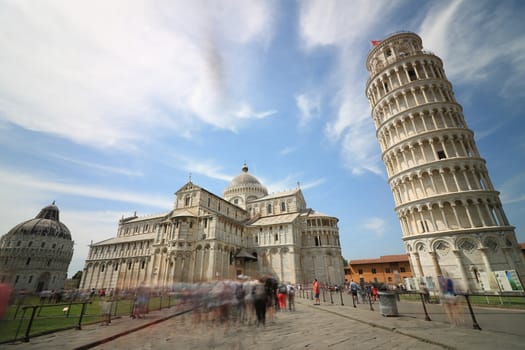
451, 217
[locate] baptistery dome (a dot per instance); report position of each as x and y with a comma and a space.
45, 224
36, 253
243, 188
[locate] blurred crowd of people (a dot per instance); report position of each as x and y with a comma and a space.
251, 301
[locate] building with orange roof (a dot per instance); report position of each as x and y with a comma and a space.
387, 269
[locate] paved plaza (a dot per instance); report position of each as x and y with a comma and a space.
328, 326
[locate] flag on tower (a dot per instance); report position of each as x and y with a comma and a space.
376, 42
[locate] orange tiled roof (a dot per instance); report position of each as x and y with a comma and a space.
381, 260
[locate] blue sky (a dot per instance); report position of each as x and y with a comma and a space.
108, 106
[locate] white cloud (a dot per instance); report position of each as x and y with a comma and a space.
492, 129
100, 167
512, 190
341, 22
287, 150
106, 74
376, 225
345, 26
54, 187
312, 184
474, 38
208, 167
245, 111
310, 107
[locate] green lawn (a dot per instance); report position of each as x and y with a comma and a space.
516, 302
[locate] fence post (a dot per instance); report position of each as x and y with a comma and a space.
331, 298
474, 321
370, 302
110, 308
28, 330
82, 311
116, 306
427, 317
132, 307
341, 295
24, 308
69, 307
17, 308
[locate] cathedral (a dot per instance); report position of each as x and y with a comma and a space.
246, 232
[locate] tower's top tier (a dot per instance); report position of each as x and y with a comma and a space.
391, 49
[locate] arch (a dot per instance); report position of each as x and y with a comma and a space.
43, 281
441, 246
420, 247
466, 244
491, 243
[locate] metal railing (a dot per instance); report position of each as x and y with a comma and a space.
338, 297
27, 321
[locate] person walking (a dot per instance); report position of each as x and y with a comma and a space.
316, 289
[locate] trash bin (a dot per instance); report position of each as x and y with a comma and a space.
388, 303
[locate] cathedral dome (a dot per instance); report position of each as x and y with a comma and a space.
244, 179
243, 188
45, 224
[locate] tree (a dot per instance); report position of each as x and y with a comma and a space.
77, 276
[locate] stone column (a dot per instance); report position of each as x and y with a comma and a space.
459, 261
435, 263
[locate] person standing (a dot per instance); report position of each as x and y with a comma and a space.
374, 293
316, 289
5, 294
282, 295
291, 298
353, 292
260, 300
105, 305
240, 295
451, 308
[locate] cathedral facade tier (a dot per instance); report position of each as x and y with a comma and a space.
451, 217
35, 254
206, 237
